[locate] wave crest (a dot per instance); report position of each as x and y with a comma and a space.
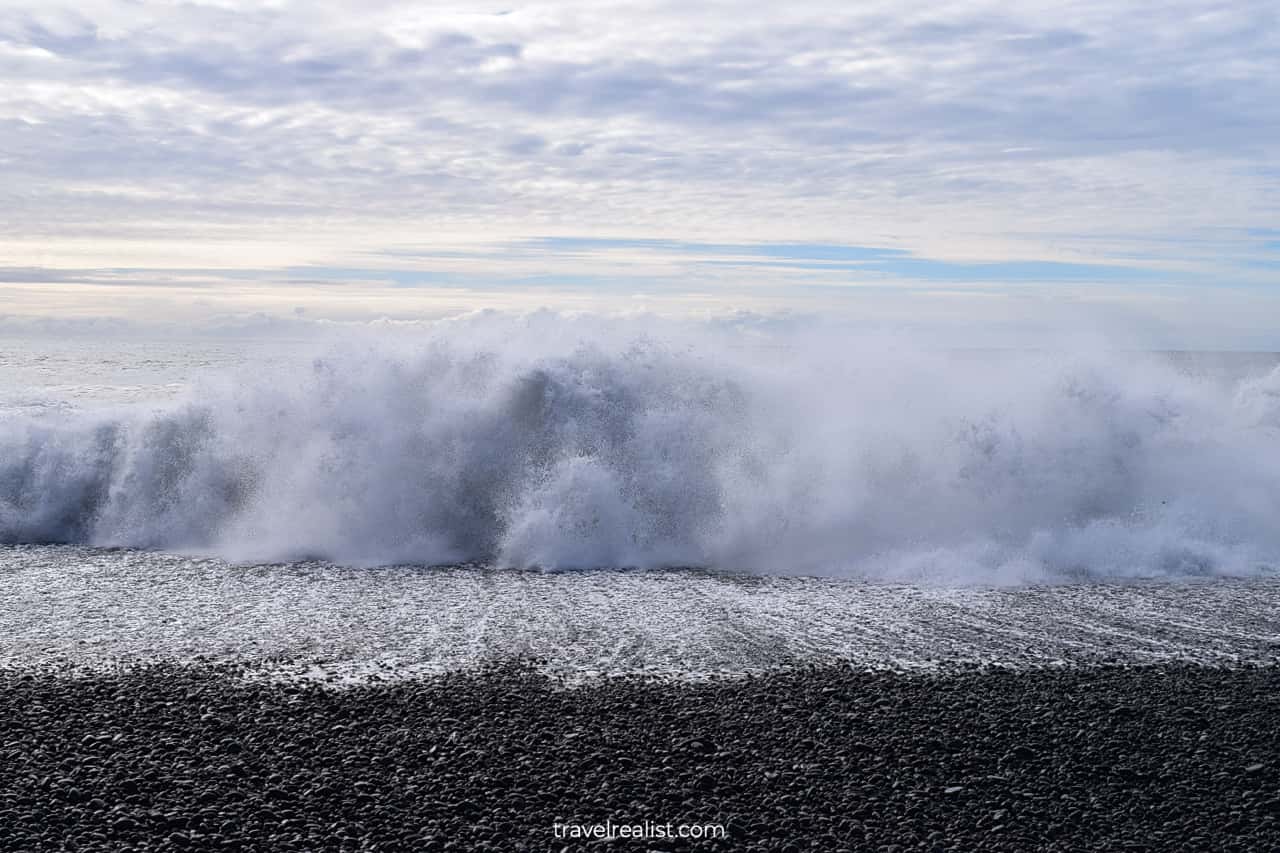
532, 449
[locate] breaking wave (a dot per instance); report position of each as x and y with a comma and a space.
561, 444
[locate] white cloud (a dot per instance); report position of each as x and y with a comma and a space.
322, 131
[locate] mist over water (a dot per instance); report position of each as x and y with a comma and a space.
567, 443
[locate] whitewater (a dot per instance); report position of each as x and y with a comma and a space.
563, 443
632, 495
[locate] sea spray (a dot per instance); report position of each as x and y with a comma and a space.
562, 443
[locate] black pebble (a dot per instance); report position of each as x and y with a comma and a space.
200, 758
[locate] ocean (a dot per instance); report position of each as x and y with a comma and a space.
633, 497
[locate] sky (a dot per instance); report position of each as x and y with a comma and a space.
973, 164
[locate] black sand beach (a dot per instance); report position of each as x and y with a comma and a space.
166, 757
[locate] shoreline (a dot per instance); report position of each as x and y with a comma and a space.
161, 756
94, 607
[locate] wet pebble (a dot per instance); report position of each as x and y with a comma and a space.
201, 758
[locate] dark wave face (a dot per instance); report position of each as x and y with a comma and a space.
558, 448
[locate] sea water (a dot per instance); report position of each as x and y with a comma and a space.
789, 483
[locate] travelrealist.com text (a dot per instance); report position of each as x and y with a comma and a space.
646, 829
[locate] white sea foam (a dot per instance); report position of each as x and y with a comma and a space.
565, 443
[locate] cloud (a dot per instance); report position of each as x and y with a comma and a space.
1033, 142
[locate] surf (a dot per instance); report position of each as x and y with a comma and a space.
559, 443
